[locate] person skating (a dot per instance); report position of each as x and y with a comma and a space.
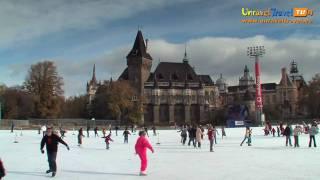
117, 129
88, 131
296, 133
313, 131
273, 132
62, 132
192, 135
154, 130
80, 136
51, 141
146, 130
44, 129
12, 126
126, 134
141, 147
223, 132
247, 136
104, 132
287, 132
278, 131
183, 135
96, 132
199, 134
2, 170
215, 133
210, 137
107, 141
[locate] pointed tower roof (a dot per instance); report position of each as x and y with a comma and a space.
185, 57
139, 47
94, 79
246, 69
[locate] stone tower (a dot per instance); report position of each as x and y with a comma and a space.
139, 64
92, 86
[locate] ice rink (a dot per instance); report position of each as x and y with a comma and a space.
267, 159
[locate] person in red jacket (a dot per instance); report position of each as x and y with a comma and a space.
107, 140
51, 141
141, 147
210, 137
2, 170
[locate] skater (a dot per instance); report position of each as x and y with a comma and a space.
51, 141
62, 132
223, 132
192, 135
146, 130
313, 131
44, 129
107, 140
96, 132
199, 134
2, 170
154, 129
12, 126
247, 136
88, 131
80, 136
296, 133
278, 131
215, 133
126, 134
273, 132
202, 130
287, 132
104, 132
210, 137
132, 128
183, 135
141, 147
117, 129
110, 128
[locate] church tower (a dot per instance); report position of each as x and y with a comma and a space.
92, 86
139, 64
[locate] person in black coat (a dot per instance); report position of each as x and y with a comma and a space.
2, 170
51, 141
192, 135
287, 133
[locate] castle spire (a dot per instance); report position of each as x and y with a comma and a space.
185, 58
139, 48
94, 74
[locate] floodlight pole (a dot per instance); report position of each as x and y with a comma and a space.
256, 52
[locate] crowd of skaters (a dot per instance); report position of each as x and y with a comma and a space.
195, 133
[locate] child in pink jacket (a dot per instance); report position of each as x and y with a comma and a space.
141, 149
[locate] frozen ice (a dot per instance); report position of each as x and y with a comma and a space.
267, 158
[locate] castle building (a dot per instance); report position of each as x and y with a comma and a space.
175, 93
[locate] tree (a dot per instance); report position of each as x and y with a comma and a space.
17, 103
75, 107
312, 97
114, 100
45, 84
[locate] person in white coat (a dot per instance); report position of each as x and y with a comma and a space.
199, 134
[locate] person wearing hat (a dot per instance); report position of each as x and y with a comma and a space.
51, 141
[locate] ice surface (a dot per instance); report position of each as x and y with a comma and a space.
268, 158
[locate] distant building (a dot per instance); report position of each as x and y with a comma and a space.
175, 93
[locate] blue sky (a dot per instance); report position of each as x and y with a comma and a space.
78, 33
